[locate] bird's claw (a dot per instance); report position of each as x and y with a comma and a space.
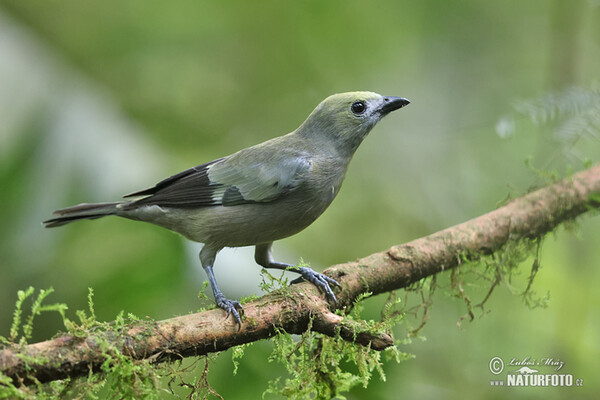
319, 280
232, 307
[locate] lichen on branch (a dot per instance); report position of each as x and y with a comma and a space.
301, 306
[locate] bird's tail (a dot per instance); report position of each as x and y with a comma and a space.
81, 211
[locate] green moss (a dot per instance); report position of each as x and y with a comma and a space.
317, 366
326, 367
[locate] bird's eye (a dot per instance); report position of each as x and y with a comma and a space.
358, 107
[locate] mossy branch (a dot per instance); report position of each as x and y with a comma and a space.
301, 306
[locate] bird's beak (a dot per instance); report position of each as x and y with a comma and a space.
391, 103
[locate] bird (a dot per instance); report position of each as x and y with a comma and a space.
259, 194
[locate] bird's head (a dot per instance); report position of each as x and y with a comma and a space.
344, 119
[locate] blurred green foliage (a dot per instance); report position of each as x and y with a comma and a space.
207, 78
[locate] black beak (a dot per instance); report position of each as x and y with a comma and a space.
391, 103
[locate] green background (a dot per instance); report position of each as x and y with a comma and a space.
198, 80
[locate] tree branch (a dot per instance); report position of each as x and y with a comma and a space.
300, 306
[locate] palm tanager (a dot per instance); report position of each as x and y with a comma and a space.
260, 194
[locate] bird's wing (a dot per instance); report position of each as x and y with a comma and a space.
229, 181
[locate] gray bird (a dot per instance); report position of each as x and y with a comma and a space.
260, 194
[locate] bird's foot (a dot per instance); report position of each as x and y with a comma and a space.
232, 307
319, 280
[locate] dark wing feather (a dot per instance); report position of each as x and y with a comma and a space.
189, 188
200, 171
232, 197
230, 181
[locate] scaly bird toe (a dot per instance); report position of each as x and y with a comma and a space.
232, 307
319, 280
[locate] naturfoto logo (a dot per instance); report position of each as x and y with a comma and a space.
529, 371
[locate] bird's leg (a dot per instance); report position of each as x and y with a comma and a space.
207, 258
264, 258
